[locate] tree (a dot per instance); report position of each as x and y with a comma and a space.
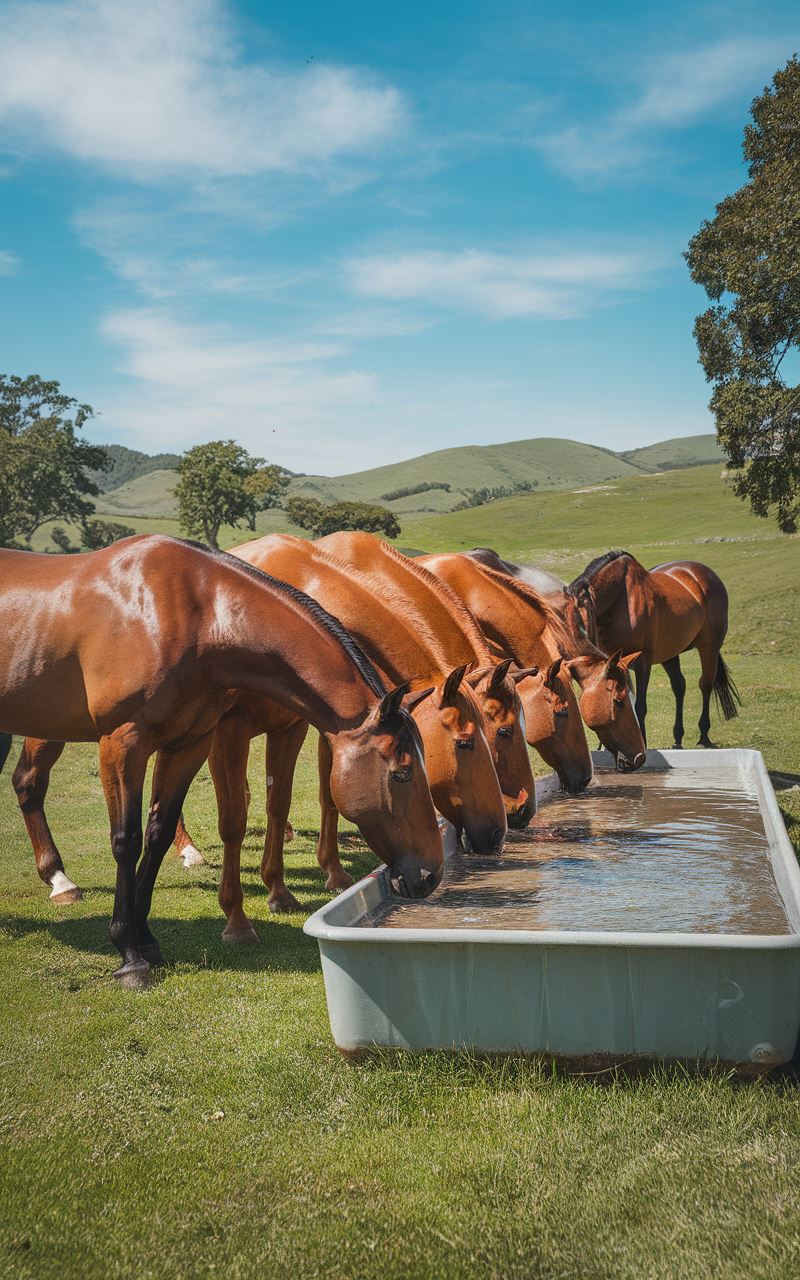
43, 461
747, 258
320, 519
220, 483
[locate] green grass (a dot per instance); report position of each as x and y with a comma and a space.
209, 1125
684, 451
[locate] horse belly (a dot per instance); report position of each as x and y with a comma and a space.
50, 704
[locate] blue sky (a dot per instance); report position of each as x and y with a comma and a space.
350, 233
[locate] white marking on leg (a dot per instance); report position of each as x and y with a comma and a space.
60, 883
191, 856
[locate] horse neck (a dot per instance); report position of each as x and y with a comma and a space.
263, 641
437, 613
611, 585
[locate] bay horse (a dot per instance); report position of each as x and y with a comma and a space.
662, 612
524, 623
458, 756
547, 724
142, 647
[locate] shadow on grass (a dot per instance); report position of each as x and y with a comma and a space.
281, 947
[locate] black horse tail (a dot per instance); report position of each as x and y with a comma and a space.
5, 746
726, 694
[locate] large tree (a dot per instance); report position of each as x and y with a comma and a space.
220, 483
43, 460
747, 258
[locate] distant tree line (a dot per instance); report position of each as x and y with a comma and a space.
478, 497
410, 490
320, 519
124, 465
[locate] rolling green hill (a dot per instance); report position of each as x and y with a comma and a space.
685, 451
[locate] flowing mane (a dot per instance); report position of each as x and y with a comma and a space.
593, 567
443, 589
551, 616
315, 610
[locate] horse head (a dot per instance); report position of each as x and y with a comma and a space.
553, 725
495, 688
606, 705
378, 781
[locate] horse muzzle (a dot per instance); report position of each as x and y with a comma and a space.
626, 765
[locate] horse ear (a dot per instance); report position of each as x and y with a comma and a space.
629, 659
391, 702
500, 672
523, 674
552, 672
413, 700
452, 684
613, 662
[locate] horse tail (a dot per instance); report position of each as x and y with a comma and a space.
726, 694
5, 746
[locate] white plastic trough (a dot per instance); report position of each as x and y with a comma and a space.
588, 996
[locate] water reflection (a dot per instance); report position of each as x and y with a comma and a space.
666, 852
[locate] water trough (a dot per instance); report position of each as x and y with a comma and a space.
676, 982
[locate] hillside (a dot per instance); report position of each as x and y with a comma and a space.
685, 451
127, 464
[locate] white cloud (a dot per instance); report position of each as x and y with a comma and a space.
676, 90
283, 400
8, 263
555, 284
159, 88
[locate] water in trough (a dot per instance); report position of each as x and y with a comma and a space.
645, 852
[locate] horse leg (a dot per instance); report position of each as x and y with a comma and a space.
709, 657
678, 681
288, 832
172, 776
123, 762
185, 846
282, 752
228, 765
328, 845
30, 780
642, 668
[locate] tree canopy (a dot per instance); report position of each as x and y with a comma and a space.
321, 520
220, 483
747, 258
43, 460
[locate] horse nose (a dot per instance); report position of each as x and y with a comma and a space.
488, 838
520, 812
410, 880
639, 760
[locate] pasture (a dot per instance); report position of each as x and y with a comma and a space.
208, 1125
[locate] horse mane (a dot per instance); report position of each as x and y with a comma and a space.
314, 610
593, 568
464, 616
551, 616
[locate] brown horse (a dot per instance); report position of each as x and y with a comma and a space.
517, 618
662, 612
545, 698
142, 648
458, 758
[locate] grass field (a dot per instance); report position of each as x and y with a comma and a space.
208, 1126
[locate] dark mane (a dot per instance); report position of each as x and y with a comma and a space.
594, 567
315, 610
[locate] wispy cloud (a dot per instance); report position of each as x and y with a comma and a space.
285, 400
553, 284
159, 88
9, 263
676, 90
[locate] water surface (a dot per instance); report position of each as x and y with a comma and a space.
674, 851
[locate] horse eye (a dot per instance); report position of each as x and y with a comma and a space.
507, 731
403, 774
465, 744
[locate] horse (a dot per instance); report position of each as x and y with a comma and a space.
545, 698
522, 622
661, 612
142, 648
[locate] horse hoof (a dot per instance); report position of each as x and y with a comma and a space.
707, 743
336, 884
240, 937
191, 857
62, 890
151, 952
286, 904
134, 976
